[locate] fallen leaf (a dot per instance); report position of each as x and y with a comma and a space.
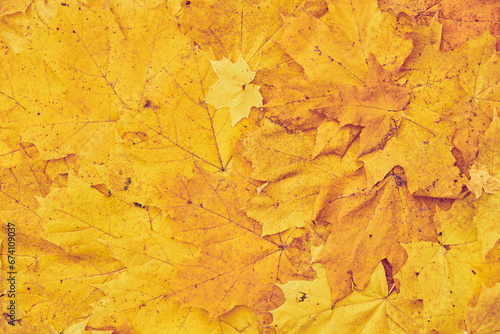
233, 89
206, 212
336, 47
296, 176
447, 275
368, 221
423, 157
374, 107
373, 309
481, 179
169, 122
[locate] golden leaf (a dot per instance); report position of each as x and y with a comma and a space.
206, 212
481, 179
362, 223
374, 309
374, 107
335, 48
233, 89
447, 275
296, 176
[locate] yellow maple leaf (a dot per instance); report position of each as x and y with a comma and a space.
368, 221
374, 309
374, 107
296, 176
447, 275
441, 93
127, 302
233, 89
233, 253
336, 47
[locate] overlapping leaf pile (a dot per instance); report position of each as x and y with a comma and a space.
301, 166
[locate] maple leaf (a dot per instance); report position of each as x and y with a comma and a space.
480, 179
442, 93
363, 224
171, 121
374, 309
336, 47
206, 212
447, 275
296, 176
77, 215
373, 106
117, 307
233, 89
423, 158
